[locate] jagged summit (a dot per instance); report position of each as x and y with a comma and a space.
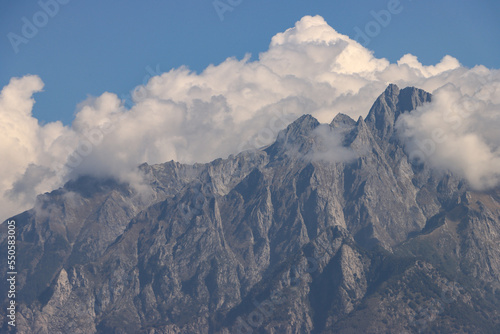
392, 103
410, 98
295, 134
342, 121
381, 117
303, 125
392, 90
379, 123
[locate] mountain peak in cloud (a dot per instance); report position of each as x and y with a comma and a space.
342, 121
391, 104
295, 135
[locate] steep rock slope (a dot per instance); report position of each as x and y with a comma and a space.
329, 229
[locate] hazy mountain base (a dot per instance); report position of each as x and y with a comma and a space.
330, 229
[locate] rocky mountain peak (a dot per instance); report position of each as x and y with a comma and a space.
392, 90
295, 135
392, 103
303, 125
410, 98
342, 121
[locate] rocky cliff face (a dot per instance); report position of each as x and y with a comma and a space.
330, 229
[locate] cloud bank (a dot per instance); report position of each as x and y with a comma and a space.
242, 104
459, 131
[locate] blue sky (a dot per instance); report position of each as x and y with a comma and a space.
89, 47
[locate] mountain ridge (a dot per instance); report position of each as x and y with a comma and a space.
291, 238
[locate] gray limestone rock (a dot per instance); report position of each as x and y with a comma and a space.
275, 240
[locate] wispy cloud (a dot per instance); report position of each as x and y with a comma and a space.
458, 131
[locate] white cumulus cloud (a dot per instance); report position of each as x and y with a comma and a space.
27, 148
458, 131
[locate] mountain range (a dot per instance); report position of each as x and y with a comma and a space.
330, 229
